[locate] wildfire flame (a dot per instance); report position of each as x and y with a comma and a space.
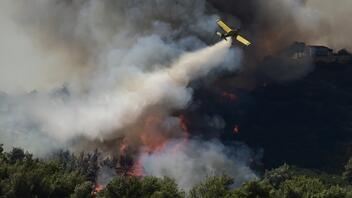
123, 147
153, 140
236, 129
184, 127
229, 96
137, 169
97, 188
183, 123
127, 167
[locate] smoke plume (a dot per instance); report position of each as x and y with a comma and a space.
123, 67
198, 160
104, 113
119, 61
274, 24
333, 30
126, 65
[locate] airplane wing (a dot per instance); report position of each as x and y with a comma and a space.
243, 40
223, 26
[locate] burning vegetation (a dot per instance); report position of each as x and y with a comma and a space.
66, 176
146, 94
236, 129
229, 96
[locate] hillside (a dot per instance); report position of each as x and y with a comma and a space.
304, 121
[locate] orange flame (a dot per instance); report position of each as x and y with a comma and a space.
236, 129
97, 188
229, 96
125, 169
184, 127
151, 136
183, 123
153, 141
123, 147
137, 169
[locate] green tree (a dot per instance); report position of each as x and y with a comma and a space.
83, 190
276, 176
347, 174
255, 189
212, 187
300, 186
15, 155
124, 187
333, 192
1, 148
150, 187
23, 176
161, 188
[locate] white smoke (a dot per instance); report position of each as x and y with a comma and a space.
24, 65
48, 42
193, 163
333, 29
118, 61
102, 113
319, 22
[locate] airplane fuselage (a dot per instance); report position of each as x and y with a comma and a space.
231, 34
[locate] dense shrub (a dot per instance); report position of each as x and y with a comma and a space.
65, 175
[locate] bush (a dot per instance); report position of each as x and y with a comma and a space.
300, 186
347, 174
255, 189
66, 175
83, 190
212, 187
23, 176
276, 176
130, 187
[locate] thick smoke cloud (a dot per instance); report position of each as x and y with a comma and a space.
24, 65
334, 30
134, 61
123, 61
120, 62
125, 67
274, 24
198, 160
103, 114
52, 42
19, 128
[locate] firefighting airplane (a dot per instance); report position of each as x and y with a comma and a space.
230, 33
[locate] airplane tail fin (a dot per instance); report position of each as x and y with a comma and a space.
221, 35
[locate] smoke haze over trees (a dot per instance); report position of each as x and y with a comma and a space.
123, 75
67, 176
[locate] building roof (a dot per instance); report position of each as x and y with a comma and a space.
320, 47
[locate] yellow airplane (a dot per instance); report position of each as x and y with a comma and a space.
231, 33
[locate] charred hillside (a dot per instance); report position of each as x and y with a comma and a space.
305, 122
